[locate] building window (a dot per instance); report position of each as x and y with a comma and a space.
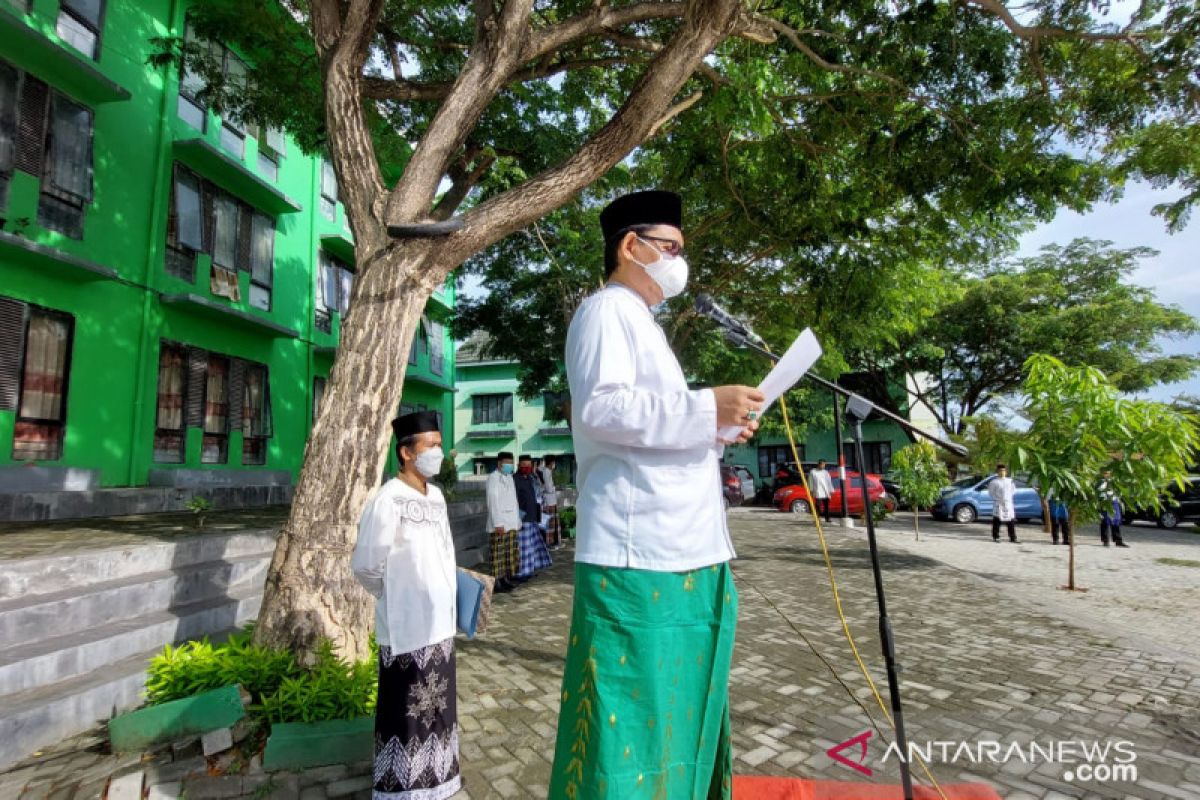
9, 81
271, 148
256, 414
491, 408
170, 436
336, 282
192, 108
42, 393
437, 357
329, 190
67, 183
262, 260
771, 457
79, 24
485, 466
215, 447
185, 226
877, 454
318, 397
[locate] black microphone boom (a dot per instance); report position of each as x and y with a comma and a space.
709, 308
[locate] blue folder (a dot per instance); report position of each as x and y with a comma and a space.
474, 601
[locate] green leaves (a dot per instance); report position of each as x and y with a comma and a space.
280, 689
919, 474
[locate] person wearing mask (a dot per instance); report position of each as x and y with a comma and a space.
550, 503
404, 556
821, 485
1003, 492
1110, 513
504, 521
533, 556
645, 698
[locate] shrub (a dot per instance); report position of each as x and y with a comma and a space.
281, 690
566, 518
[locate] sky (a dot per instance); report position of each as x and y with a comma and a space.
1174, 274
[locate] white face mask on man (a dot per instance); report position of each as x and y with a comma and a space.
429, 462
669, 272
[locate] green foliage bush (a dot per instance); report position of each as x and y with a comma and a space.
281, 690
566, 518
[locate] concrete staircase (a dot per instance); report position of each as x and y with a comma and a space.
78, 628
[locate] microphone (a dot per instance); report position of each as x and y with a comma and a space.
709, 308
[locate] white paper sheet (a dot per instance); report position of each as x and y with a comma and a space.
798, 359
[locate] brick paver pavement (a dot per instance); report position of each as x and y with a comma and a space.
984, 656
977, 665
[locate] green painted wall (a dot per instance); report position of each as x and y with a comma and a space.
529, 425
120, 319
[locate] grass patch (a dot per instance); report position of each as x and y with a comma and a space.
1177, 562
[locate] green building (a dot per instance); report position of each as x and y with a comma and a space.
172, 283
490, 416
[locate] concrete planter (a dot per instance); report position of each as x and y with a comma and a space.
169, 722
298, 746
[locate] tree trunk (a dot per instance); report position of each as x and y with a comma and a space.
310, 594
1071, 552
916, 522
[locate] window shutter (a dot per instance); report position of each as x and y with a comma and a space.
197, 386
245, 236
237, 400
172, 219
31, 126
12, 341
208, 223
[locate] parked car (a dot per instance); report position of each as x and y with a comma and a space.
787, 474
893, 489
1178, 505
731, 486
747, 478
795, 499
967, 500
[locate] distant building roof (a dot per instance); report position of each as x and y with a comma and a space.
477, 349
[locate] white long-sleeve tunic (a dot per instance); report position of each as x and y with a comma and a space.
404, 556
503, 511
1002, 491
646, 445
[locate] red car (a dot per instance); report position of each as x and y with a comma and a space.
795, 499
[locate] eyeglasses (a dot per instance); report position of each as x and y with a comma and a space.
673, 248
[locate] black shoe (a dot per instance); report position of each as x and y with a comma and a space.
1122, 544
503, 586
1015, 541
996, 539
1106, 544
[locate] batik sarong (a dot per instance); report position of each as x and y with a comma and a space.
534, 555
416, 725
505, 553
645, 693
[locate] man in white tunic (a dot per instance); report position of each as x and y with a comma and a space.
405, 558
1002, 490
645, 688
821, 485
503, 522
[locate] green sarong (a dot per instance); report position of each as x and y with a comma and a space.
645, 694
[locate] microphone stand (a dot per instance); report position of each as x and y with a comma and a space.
859, 408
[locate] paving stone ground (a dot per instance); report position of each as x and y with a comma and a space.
990, 652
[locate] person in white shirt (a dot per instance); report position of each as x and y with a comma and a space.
645, 689
821, 485
1002, 490
503, 522
550, 502
404, 556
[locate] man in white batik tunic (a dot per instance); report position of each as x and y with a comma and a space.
405, 558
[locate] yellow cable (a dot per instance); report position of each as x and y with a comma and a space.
837, 600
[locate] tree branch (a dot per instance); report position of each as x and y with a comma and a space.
597, 20
343, 46
675, 111
705, 24
1033, 33
495, 55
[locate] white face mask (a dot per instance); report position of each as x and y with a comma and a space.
429, 462
669, 272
